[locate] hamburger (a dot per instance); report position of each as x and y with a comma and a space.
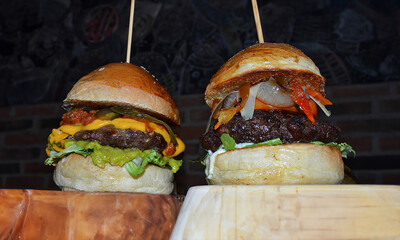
264, 127
116, 135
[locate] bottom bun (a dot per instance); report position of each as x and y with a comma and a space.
298, 163
76, 172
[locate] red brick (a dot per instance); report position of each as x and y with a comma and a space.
25, 182
182, 116
191, 148
185, 181
34, 110
51, 184
353, 107
49, 123
19, 154
367, 177
197, 167
392, 178
369, 125
389, 105
190, 100
363, 144
191, 132
9, 168
5, 112
359, 91
36, 167
26, 139
390, 143
199, 115
12, 125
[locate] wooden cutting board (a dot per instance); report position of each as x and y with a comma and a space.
36, 214
290, 212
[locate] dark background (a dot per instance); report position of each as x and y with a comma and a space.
47, 45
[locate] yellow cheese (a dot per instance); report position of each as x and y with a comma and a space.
58, 135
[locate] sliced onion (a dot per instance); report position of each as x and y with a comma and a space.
271, 93
230, 99
248, 109
326, 111
322, 106
219, 106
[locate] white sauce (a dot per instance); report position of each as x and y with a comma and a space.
210, 161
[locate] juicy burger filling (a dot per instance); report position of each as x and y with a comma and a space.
269, 114
270, 124
269, 95
118, 140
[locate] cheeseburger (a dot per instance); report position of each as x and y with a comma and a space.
264, 126
116, 134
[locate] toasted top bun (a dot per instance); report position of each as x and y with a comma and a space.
126, 85
297, 163
260, 62
76, 172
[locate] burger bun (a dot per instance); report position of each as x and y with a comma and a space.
78, 173
297, 163
125, 85
259, 63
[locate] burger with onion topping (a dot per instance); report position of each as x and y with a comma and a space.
264, 127
116, 135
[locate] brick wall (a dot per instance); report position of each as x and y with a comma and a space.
369, 116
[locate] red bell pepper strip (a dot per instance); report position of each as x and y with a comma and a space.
299, 97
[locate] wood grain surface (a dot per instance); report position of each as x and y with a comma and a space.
290, 212
36, 214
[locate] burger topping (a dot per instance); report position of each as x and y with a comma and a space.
270, 92
130, 120
299, 97
115, 156
267, 125
269, 95
109, 135
320, 100
78, 116
134, 113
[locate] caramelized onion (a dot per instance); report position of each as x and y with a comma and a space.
230, 99
248, 109
271, 93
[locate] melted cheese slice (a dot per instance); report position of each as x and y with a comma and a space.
58, 135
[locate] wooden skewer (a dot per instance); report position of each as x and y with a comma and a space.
258, 22
128, 49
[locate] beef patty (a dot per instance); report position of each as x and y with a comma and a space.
266, 125
109, 135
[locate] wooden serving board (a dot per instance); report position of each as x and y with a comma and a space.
290, 212
36, 214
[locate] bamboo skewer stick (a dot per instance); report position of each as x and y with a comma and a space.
258, 22
128, 49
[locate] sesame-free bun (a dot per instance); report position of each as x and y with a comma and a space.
297, 163
260, 62
126, 85
78, 173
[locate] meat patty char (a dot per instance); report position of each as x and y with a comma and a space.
109, 135
266, 125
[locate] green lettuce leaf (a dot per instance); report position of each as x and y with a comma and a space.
155, 158
275, 141
73, 148
345, 148
228, 142
135, 160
